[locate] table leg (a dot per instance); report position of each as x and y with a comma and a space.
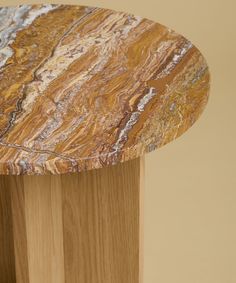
73, 228
7, 262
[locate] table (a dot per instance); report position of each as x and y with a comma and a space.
85, 93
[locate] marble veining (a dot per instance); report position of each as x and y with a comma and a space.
84, 87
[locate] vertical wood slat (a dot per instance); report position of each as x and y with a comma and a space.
102, 224
7, 263
75, 228
16, 187
43, 210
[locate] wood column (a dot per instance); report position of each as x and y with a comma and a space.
73, 228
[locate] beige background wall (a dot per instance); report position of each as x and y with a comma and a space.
190, 198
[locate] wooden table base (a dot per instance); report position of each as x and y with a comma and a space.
76, 228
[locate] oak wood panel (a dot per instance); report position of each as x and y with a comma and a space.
16, 187
141, 219
44, 229
101, 216
73, 228
7, 265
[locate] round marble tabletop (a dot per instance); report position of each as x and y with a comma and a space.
84, 87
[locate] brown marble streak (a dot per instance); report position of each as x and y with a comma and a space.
82, 88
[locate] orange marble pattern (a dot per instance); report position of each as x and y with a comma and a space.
83, 87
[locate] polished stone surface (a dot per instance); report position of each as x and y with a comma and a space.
82, 87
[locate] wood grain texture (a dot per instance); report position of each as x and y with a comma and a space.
7, 259
43, 210
86, 87
74, 228
16, 188
101, 224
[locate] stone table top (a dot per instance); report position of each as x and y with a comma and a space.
83, 87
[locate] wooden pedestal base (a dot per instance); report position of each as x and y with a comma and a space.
75, 228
